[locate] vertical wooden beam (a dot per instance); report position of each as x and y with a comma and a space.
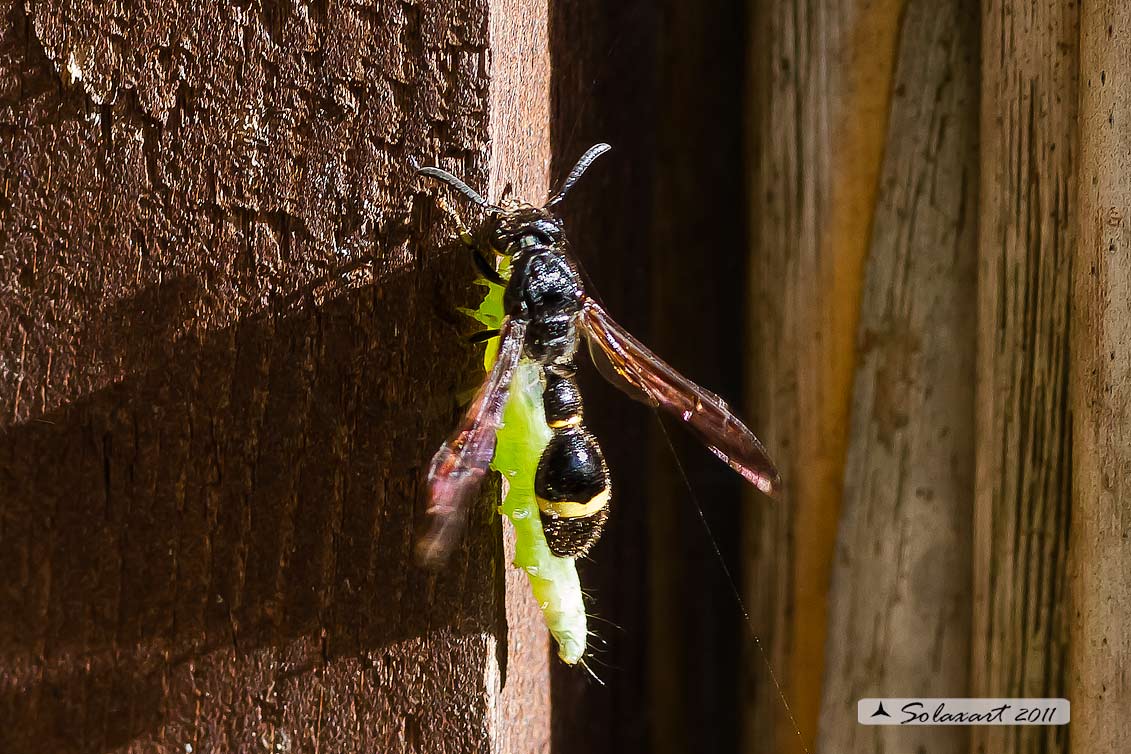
1027, 243
229, 346
519, 117
820, 78
899, 609
1100, 680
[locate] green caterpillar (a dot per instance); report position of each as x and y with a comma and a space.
520, 442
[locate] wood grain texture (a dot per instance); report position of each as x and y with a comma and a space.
1100, 550
820, 82
519, 121
899, 610
1027, 241
229, 347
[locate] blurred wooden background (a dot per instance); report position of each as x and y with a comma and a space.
893, 231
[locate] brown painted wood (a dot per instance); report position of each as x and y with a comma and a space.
229, 347
519, 119
899, 610
1026, 248
1099, 683
820, 79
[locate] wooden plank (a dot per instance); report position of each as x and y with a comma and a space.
820, 77
1099, 684
899, 607
1026, 247
229, 348
520, 155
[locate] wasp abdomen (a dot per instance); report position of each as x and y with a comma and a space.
572, 481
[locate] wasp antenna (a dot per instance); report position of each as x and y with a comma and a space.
579, 169
446, 177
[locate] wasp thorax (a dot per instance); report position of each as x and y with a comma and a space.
551, 339
542, 283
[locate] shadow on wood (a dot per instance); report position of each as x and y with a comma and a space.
251, 494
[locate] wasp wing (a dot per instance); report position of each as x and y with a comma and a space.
628, 364
460, 465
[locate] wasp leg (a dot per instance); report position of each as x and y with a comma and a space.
479, 337
464, 234
485, 268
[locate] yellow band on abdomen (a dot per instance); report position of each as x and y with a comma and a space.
568, 509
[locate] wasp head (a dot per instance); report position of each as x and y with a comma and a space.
522, 225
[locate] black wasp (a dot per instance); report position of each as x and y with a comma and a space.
547, 309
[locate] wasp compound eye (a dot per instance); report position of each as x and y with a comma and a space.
528, 228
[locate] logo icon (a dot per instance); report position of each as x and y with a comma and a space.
962, 711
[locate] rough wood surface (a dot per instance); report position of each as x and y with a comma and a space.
820, 81
519, 120
1100, 550
899, 610
228, 347
1027, 243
